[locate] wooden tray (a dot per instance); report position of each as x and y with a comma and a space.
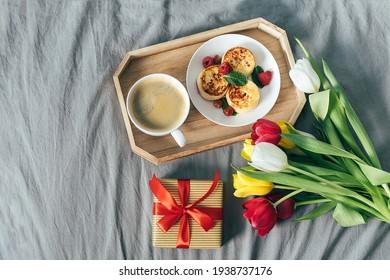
172, 58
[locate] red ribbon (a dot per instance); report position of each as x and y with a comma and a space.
172, 212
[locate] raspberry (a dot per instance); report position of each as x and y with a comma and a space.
218, 103
225, 68
207, 61
228, 111
265, 77
217, 59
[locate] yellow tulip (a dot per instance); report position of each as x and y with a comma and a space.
246, 186
247, 150
284, 143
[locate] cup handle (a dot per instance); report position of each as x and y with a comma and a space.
179, 137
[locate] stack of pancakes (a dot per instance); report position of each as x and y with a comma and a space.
212, 85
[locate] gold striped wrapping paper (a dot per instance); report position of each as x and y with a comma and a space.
199, 239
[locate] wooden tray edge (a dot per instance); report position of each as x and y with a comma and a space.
188, 40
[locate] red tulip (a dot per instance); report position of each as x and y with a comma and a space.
265, 131
285, 209
261, 214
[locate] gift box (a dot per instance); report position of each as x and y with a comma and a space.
187, 213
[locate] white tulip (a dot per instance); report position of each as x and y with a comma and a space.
304, 77
268, 157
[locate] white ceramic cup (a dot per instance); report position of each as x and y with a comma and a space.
175, 131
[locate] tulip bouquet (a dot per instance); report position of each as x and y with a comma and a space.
338, 171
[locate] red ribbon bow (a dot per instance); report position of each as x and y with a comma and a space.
172, 212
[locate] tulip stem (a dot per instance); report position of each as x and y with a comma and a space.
321, 200
281, 187
287, 196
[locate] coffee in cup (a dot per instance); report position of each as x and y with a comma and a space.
158, 104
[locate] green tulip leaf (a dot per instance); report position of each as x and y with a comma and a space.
347, 216
369, 209
338, 116
319, 103
352, 117
374, 175
329, 174
306, 159
317, 212
319, 147
362, 136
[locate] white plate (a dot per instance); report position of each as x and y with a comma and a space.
219, 45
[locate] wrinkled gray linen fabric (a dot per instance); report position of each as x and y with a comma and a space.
70, 187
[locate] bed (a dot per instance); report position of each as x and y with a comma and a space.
71, 188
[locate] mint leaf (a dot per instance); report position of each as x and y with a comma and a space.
254, 75
224, 103
236, 78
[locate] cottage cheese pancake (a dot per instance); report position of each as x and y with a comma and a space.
241, 59
245, 98
211, 83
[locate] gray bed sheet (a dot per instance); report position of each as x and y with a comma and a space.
70, 187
